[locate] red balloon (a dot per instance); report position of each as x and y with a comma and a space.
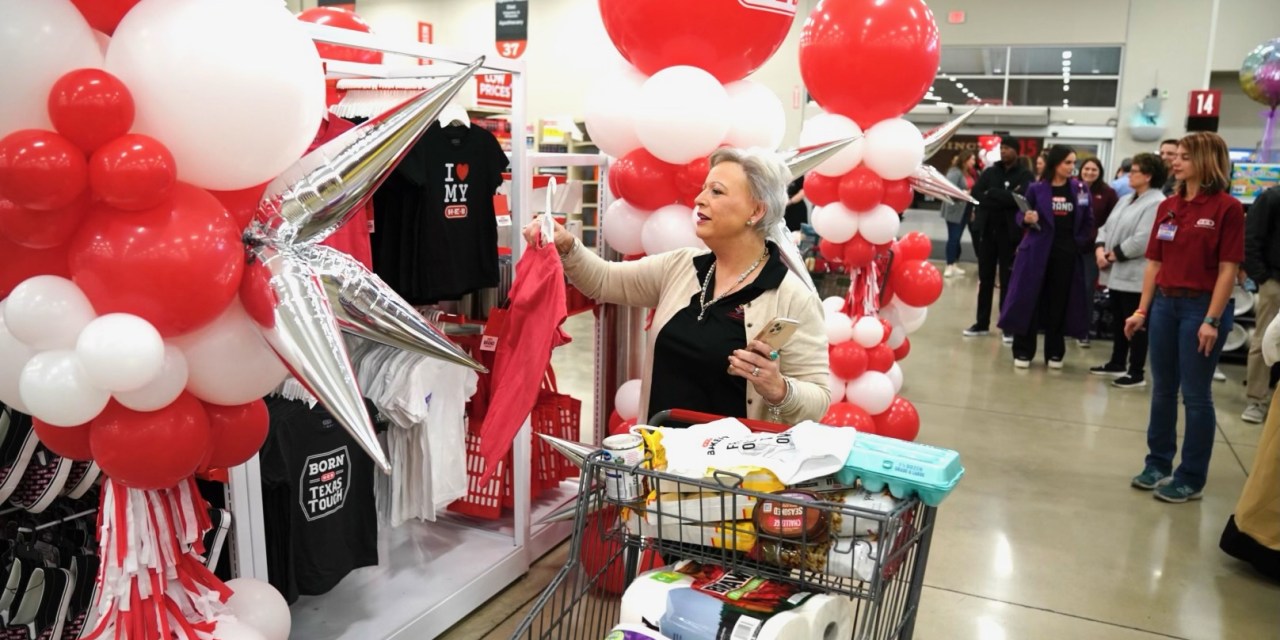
869, 59
903, 349
888, 329
898, 194
236, 432
821, 190
833, 252
20, 263
848, 360
41, 169
727, 38
177, 265
104, 15
916, 282
68, 442
243, 204
151, 450
612, 181
861, 189
342, 19
645, 181
879, 358
914, 246
42, 229
858, 252
847, 414
900, 420
90, 107
689, 179
133, 172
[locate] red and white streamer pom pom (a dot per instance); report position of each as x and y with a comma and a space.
152, 584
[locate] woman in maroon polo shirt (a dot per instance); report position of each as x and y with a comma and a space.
1195, 250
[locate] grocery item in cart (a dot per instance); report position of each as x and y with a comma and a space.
715, 506
732, 535
906, 468
634, 632
806, 451
693, 615
852, 526
626, 450
853, 558
645, 600
791, 519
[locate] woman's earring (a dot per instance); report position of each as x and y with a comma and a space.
750, 222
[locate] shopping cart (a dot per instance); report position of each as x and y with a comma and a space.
614, 541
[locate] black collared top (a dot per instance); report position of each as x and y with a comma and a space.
691, 358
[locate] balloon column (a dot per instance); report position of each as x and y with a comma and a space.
682, 95
1260, 79
141, 322
867, 62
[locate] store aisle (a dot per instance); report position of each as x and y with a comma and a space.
1044, 538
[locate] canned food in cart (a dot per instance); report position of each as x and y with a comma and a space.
621, 483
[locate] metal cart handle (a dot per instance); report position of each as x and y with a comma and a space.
697, 417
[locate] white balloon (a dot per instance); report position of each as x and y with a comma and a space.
758, 119
610, 111
895, 147
895, 376
833, 304
896, 337
233, 115
164, 389
40, 41
14, 355
627, 400
868, 332
120, 352
879, 225
829, 127
56, 388
228, 360
668, 229
912, 317
839, 328
680, 115
834, 222
257, 604
47, 312
236, 630
873, 391
837, 387
622, 226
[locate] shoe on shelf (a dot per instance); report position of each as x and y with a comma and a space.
1019, 363
1129, 382
1178, 492
1007, 340
1219, 376
1108, 369
1084, 343
1055, 363
1150, 478
1254, 413
976, 331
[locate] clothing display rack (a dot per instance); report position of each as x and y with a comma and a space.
430, 575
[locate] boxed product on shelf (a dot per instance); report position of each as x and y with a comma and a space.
906, 468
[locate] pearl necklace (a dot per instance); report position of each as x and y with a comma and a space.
706, 283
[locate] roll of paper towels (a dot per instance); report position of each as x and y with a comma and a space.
827, 616
787, 625
851, 525
646, 599
853, 558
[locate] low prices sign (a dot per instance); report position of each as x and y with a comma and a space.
512, 28
494, 90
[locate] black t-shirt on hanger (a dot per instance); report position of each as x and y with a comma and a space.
435, 232
318, 503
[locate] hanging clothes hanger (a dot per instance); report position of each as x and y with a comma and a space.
454, 115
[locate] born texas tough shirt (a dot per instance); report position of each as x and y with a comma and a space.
317, 490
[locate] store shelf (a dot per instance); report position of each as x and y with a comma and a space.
542, 538
427, 575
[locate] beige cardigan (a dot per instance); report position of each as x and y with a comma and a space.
667, 281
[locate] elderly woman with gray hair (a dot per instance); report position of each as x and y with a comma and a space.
710, 306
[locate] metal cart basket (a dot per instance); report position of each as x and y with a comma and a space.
708, 520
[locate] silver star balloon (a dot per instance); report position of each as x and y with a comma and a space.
576, 452
935, 138
366, 306
930, 182
298, 292
801, 160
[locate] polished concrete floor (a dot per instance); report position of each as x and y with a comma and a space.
1043, 539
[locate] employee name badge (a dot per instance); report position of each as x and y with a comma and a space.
1166, 231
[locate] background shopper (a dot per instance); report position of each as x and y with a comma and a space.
1262, 264
997, 231
1102, 200
1193, 256
963, 174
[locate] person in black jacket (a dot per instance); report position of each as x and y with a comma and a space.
1262, 263
995, 227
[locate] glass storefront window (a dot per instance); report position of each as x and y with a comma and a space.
1042, 76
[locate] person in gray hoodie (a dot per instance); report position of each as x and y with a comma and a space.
1120, 253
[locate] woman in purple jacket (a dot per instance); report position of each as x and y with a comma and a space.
1046, 292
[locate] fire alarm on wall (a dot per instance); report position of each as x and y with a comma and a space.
955, 17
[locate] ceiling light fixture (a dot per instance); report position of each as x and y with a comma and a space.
1066, 55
